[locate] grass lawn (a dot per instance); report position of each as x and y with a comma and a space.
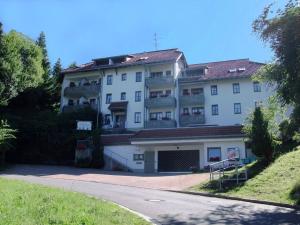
279, 182
32, 204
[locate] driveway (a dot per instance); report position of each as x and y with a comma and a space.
170, 208
161, 181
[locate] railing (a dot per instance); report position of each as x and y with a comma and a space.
118, 158
82, 91
159, 82
160, 123
188, 100
228, 170
193, 119
73, 108
161, 102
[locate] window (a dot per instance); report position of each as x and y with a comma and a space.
123, 96
214, 89
214, 154
93, 101
236, 88
138, 77
168, 73
70, 102
237, 108
186, 111
124, 76
196, 91
72, 84
185, 92
138, 96
156, 116
168, 115
256, 86
155, 94
107, 119
137, 117
197, 110
156, 74
214, 110
109, 80
168, 93
108, 98
138, 157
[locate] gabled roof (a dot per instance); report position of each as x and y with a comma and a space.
152, 57
221, 69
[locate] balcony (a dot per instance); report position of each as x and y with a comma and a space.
74, 108
190, 120
188, 100
82, 91
159, 82
160, 124
160, 102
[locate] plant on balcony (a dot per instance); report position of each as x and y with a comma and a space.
86, 84
72, 84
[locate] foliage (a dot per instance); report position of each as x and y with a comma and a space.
72, 65
45, 136
6, 135
282, 31
56, 81
261, 139
31, 204
20, 64
97, 155
41, 42
279, 182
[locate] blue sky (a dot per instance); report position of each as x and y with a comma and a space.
79, 31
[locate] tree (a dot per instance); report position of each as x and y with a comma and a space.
282, 32
41, 42
261, 140
20, 64
72, 65
56, 71
6, 135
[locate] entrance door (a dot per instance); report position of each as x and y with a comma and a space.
178, 161
149, 161
120, 121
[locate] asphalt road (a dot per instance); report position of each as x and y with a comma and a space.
175, 208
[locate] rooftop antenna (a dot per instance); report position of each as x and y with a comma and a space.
155, 41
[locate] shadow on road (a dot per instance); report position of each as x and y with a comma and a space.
237, 214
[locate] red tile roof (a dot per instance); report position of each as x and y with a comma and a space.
189, 133
220, 70
168, 55
173, 134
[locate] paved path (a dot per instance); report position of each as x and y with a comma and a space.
166, 181
174, 208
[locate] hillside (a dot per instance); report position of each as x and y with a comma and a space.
280, 182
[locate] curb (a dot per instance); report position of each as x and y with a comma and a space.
238, 199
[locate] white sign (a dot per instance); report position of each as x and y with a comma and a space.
84, 125
233, 153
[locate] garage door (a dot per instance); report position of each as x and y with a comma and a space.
177, 161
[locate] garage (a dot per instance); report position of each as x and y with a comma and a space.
178, 161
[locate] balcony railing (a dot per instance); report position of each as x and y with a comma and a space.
82, 91
190, 120
74, 108
188, 100
160, 102
160, 124
159, 82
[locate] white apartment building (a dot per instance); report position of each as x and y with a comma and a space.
161, 114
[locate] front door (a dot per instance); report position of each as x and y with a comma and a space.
120, 121
149, 159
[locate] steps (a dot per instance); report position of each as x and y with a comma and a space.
115, 162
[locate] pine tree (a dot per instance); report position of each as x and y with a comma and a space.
41, 42
56, 71
261, 139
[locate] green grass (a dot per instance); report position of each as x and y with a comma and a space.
32, 204
279, 182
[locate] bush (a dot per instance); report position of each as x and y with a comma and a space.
295, 193
46, 136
